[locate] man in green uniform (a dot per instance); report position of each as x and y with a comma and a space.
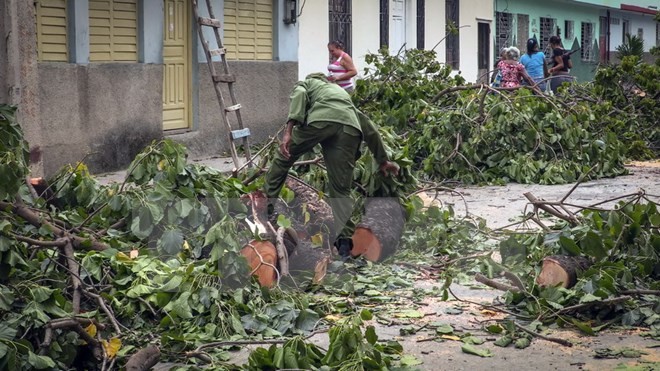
323, 113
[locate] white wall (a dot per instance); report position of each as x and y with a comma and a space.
366, 31
470, 13
434, 29
645, 22
313, 38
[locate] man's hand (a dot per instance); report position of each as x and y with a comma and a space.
284, 145
389, 168
286, 139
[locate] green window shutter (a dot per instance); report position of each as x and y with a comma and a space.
113, 31
52, 31
248, 29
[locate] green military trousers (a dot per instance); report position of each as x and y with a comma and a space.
339, 144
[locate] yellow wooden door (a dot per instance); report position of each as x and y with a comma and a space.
177, 60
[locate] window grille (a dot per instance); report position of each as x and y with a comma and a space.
340, 23
421, 23
586, 42
548, 29
452, 41
503, 32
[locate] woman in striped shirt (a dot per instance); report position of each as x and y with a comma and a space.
341, 68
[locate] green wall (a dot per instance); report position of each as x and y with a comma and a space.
561, 11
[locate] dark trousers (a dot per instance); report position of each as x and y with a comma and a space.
339, 145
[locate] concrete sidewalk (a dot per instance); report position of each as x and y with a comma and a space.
224, 164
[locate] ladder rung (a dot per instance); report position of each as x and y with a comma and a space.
218, 52
235, 107
224, 78
204, 21
237, 134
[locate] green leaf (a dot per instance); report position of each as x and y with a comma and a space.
366, 315
370, 335
444, 329
522, 343
408, 360
584, 327
470, 349
6, 332
569, 246
588, 298
494, 329
592, 245
504, 341
171, 242
40, 362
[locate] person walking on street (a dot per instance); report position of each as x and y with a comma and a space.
341, 69
321, 112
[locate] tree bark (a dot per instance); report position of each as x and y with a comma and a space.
561, 269
378, 234
144, 359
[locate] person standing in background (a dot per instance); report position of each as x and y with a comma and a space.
535, 65
341, 68
561, 64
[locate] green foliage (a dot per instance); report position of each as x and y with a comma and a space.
633, 46
468, 134
624, 247
14, 153
350, 349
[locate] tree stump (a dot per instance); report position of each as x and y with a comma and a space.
561, 270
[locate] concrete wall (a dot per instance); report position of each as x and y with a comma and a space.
104, 113
4, 62
262, 89
643, 21
20, 76
314, 34
366, 32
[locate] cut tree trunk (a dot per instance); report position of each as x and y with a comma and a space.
144, 359
378, 234
561, 270
262, 260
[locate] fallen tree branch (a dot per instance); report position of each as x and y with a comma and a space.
74, 269
282, 255
105, 309
543, 205
74, 324
144, 359
20, 209
494, 284
541, 336
576, 307
640, 292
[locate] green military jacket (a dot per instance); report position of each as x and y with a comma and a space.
317, 100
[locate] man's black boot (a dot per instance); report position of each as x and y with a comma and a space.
344, 246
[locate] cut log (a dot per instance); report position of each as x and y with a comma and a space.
378, 234
144, 359
309, 214
561, 270
262, 260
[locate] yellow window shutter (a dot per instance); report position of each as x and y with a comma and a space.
52, 43
248, 29
113, 31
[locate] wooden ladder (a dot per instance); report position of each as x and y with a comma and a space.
224, 78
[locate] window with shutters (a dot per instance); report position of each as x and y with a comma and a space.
503, 32
657, 34
248, 29
341, 19
586, 44
113, 31
452, 41
421, 23
52, 31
